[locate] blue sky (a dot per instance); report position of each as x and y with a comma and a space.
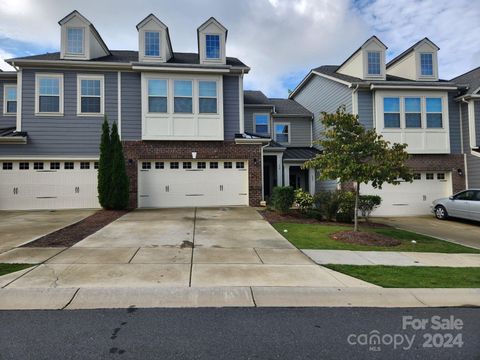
281, 40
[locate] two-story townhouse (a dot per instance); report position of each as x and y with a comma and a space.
287, 127
179, 117
469, 103
404, 101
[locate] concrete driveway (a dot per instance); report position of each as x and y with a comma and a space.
20, 227
208, 247
457, 231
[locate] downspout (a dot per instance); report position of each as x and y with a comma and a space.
261, 164
465, 159
354, 101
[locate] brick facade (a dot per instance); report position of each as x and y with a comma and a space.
206, 150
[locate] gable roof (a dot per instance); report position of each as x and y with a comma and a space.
471, 79
409, 50
282, 107
90, 25
218, 23
158, 21
374, 37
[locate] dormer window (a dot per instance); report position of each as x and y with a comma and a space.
152, 43
373, 58
212, 47
426, 64
75, 40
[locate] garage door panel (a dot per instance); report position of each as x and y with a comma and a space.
408, 199
48, 189
192, 187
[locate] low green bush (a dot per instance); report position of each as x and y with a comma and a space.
368, 203
327, 203
304, 200
282, 198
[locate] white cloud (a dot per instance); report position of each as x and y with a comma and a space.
278, 39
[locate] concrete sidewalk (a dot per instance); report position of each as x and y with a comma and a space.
75, 298
348, 257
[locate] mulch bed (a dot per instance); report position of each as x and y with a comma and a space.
74, 233
295, 216
364, 238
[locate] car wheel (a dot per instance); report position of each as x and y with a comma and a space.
441, 212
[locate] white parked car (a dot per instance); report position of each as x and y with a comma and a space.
465, 205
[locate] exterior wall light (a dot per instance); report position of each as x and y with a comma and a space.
194, 154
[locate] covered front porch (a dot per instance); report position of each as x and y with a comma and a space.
283, 167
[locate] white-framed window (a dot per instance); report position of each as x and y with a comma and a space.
182, 96
55, 165
261, 123
413, 112
187, 165
10, 99
434, 112
69, 165
240, 165
7, 166
213, 165
24, 166
75, 41
417, 176
90, 95
207, 97
282, 133
38, 166
85, 165
429, 176
201, 165
48, 94
426, 64
146, 165
157, 93
227, 165
391, 112
373, 63
159, 165
212, 46
174, 165
152, 43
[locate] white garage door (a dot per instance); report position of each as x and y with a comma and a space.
35, 185
413, 198
192, 183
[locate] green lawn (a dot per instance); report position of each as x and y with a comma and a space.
413, 276
314, 236
9, 268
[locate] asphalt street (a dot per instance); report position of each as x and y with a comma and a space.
242, 333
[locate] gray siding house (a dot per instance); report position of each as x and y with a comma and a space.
286, 126
404, 101
179, 115
469, 103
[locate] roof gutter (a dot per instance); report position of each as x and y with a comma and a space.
13, 140
412, 87
252, 141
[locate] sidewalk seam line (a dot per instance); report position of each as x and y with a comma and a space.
70, 301
135, 253
256, 252
193, 247
253, 297
420, 301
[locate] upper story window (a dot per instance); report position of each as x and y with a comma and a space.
261, 123
49, 94
182, 102
434, 112
212, 46
75, 40
207, 100
10, 99
426, 64
373, 66
90, 91
413, 113
157, 96
152, 43
391, 112
282, 133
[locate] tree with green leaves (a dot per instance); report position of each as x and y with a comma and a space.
119, 179
351, 153
105, 166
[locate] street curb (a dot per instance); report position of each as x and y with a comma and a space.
196, 297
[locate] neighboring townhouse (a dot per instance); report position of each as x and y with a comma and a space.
180, 118
287, 126
469, 102
406, 102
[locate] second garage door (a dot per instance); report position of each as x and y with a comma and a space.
408, 199
192, 183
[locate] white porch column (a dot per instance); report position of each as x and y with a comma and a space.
311, 181
279, 169
286, 175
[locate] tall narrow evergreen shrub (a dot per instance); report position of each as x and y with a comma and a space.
105, 166
119, 179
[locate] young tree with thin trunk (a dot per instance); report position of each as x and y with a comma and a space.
351, 153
